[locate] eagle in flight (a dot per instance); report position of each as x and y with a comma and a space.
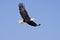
25, 16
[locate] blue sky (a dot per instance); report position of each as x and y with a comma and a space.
46, 12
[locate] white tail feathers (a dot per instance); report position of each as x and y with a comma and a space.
32, 19
20, 21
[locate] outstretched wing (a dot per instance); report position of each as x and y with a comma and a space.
23, 12
32, 23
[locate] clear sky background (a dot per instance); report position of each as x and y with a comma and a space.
46, 12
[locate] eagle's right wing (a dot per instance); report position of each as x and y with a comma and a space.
23, 12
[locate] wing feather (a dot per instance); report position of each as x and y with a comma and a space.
32, 23
23, 12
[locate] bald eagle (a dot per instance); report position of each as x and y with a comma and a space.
25, 16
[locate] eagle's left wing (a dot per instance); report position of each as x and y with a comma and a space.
32, 23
